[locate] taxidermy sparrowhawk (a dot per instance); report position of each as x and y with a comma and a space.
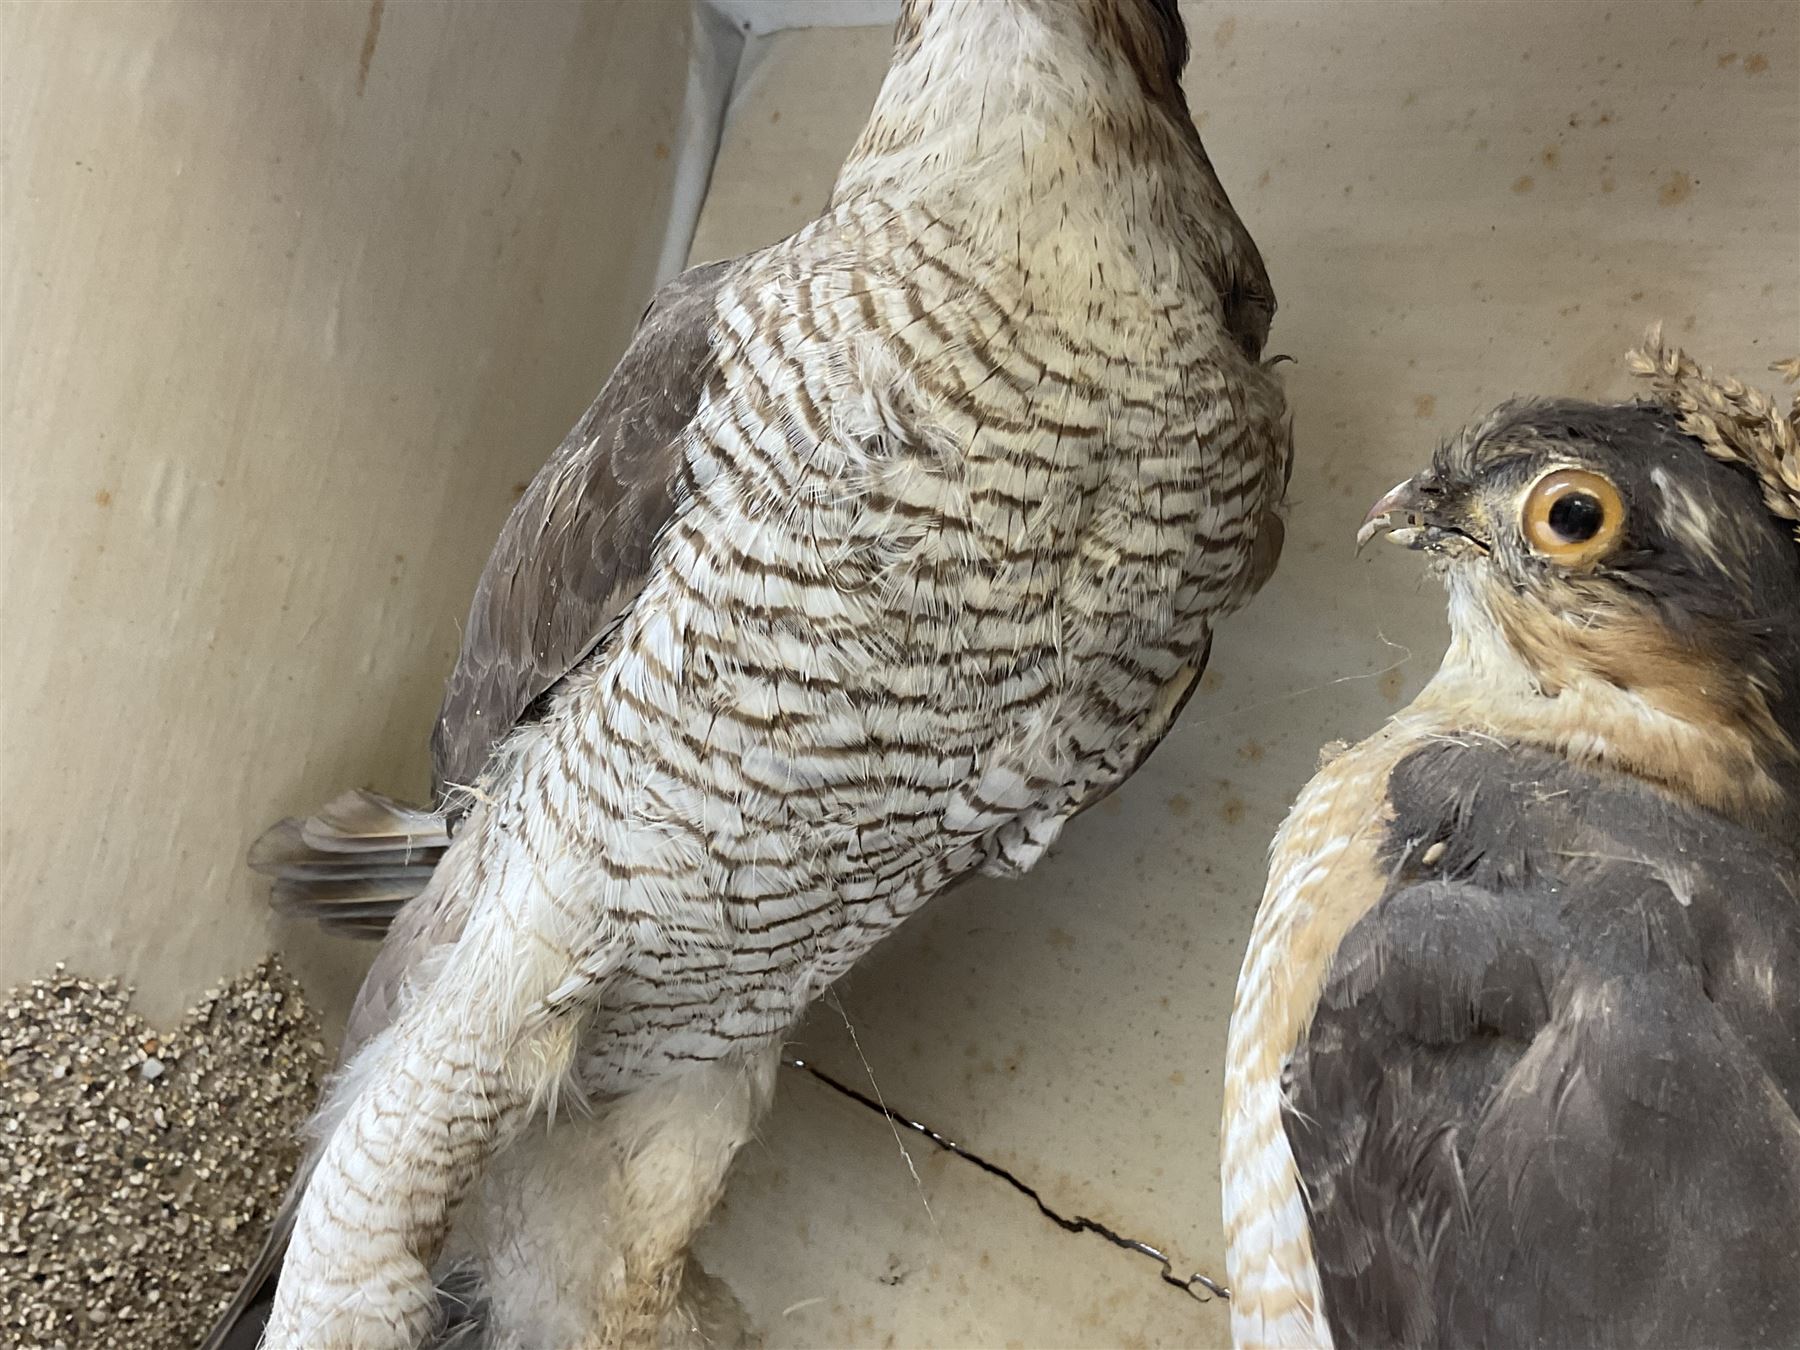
1515, 1059
885, 551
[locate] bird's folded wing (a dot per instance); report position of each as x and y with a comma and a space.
1550, 1092
575, 551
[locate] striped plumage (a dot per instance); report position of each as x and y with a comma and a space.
918, 647
1320, 864
968, 468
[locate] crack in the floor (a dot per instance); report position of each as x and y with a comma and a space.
1191, 1286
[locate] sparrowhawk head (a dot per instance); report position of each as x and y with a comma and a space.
1604, 543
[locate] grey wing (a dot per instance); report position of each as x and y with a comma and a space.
574, 552
1549, 1094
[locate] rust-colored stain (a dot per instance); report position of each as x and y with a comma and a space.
1179, 805
1551, 156
1676, 189
1424, 405
1251, 750
1727, 59
1524, 184
661, 151
1226, 30
370, 38
1391, 684
1755, 63
1177, 1078
1211, 680
1058, 937
103, 498
1608, 182
1232, 811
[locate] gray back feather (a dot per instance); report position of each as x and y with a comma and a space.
1551, 1093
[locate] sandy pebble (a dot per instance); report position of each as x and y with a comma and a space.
139, 1168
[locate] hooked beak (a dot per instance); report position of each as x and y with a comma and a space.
1418, 514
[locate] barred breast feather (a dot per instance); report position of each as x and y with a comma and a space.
938, 572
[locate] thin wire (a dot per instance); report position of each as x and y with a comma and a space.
1191, 1286
880, 1104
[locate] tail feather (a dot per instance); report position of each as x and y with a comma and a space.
358, 909
348, 868
351, 866
359, 821
283, 851
347, 897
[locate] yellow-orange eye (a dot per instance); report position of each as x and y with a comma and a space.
1572, 516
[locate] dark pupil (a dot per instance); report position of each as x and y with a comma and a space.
1577, 517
